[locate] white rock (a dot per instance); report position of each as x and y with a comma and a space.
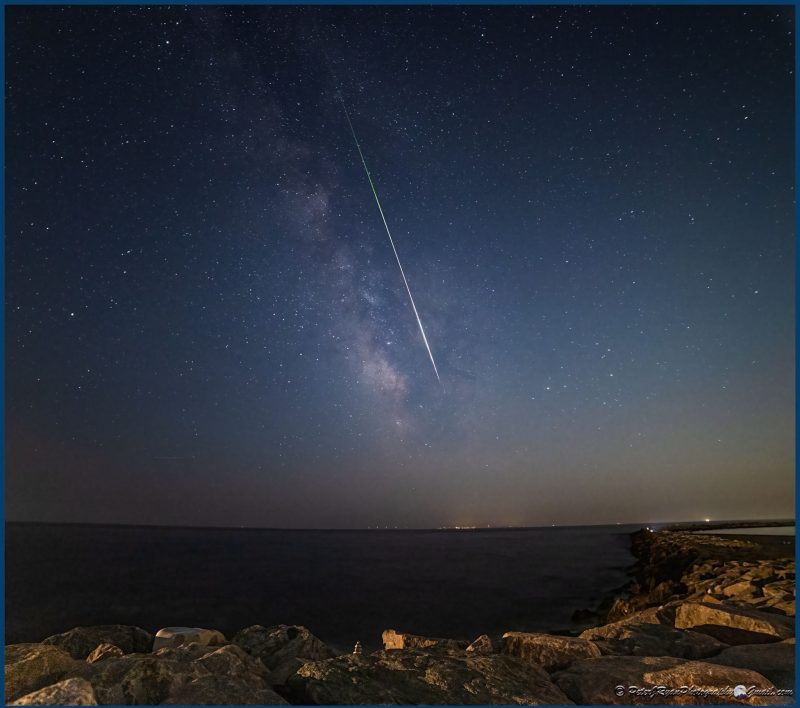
175, 636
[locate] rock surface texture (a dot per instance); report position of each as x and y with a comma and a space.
70, 692
410, 677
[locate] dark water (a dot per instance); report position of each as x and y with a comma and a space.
343, 585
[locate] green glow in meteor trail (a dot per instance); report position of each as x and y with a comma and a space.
389, 234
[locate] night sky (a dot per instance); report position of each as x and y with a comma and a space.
205, 322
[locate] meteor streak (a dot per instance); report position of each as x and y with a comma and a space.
388, 233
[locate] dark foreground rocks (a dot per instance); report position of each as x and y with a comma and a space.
548, 651
614, 680
81, 641
70, 692
409, 677
622, 663
282, 649
702, 617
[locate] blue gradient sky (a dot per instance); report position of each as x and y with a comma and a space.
206, 325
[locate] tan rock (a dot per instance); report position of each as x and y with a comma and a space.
482, 645
653, 640
608, 681
70, 692
733, 625
551, 652
104, 651
739, 589
404, 677
395, 640
29, 667
652, 615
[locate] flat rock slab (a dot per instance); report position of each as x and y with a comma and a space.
81, 641
398, 640
653, 640
734, 624
551, 652
608, 681
70, 692
29, 667
403, 677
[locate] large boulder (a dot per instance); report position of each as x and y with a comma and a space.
775, 661
549, 651
614, 680
70, 692
176, 636
220, 691
733, 624
403, 677
653, 640
663, 614
282, 648
180, 675
137, 679
81, 641
234, 678
29, 667
393, 640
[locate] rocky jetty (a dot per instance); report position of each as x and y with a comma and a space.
703, 615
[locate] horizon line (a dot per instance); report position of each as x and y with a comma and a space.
489, 527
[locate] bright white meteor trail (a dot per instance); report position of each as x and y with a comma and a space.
389, 234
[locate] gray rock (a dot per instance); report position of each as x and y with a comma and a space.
137, 679
220, 691
81, 641
70, 692
408, 677
178, 674
548, 651
282, 648
733, 624
29, 667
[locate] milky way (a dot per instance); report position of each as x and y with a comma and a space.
594, 205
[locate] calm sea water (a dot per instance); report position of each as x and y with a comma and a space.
343, 585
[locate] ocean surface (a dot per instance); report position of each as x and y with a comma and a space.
343, 585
